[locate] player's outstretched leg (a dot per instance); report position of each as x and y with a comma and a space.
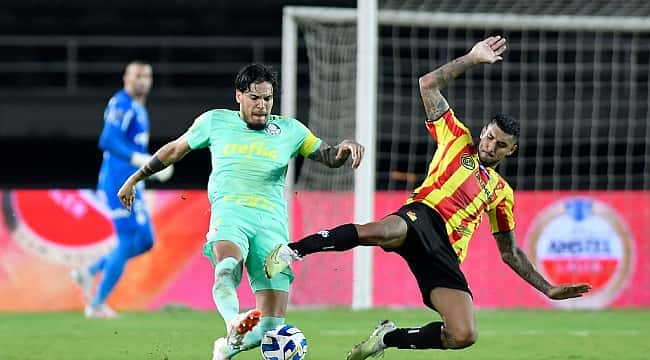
374, 344
340, 238
280, 258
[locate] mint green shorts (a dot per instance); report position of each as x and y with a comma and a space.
256, 233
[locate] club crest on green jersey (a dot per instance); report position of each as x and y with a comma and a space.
272, 129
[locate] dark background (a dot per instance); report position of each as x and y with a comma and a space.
51, 108
49, 129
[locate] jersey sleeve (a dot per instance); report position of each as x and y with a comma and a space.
446, 128
199, 133
501, 214
309, 142
118, 116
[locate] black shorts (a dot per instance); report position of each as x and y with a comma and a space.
428, 253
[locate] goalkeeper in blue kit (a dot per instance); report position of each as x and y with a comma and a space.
124, 141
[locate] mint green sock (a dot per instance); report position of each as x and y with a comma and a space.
227, 276
254, 337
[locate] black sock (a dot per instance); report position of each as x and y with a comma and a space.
426, 337
341, 238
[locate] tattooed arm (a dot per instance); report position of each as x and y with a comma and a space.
512, 255
487, 51
434, 103
518, 261
335, 156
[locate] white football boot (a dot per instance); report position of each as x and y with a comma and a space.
102, 311
219, 350
240, 325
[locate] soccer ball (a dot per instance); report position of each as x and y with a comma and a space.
285, 342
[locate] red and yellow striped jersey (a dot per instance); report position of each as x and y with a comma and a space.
460, 188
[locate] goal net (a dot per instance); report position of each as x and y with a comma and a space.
577, 80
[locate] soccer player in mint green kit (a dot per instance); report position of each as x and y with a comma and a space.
250, 151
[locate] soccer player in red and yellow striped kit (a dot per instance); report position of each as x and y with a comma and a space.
432, 230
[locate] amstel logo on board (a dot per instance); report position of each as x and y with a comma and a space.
70, 227
582, 240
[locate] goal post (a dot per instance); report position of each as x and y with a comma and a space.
365, 115
366, 118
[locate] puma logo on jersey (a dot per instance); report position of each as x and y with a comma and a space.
256, 149
411, 215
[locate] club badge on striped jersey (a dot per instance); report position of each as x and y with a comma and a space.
468, 162
580, 239
272, 129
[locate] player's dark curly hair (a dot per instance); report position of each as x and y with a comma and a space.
255, 74
507, 123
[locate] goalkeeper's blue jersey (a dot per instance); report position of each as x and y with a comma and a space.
126, 131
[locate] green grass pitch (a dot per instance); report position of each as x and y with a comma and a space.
184, 334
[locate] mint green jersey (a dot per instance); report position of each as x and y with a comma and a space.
249, 166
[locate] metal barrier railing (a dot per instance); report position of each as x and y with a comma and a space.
73, 64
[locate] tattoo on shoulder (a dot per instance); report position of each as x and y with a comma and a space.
435, 104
